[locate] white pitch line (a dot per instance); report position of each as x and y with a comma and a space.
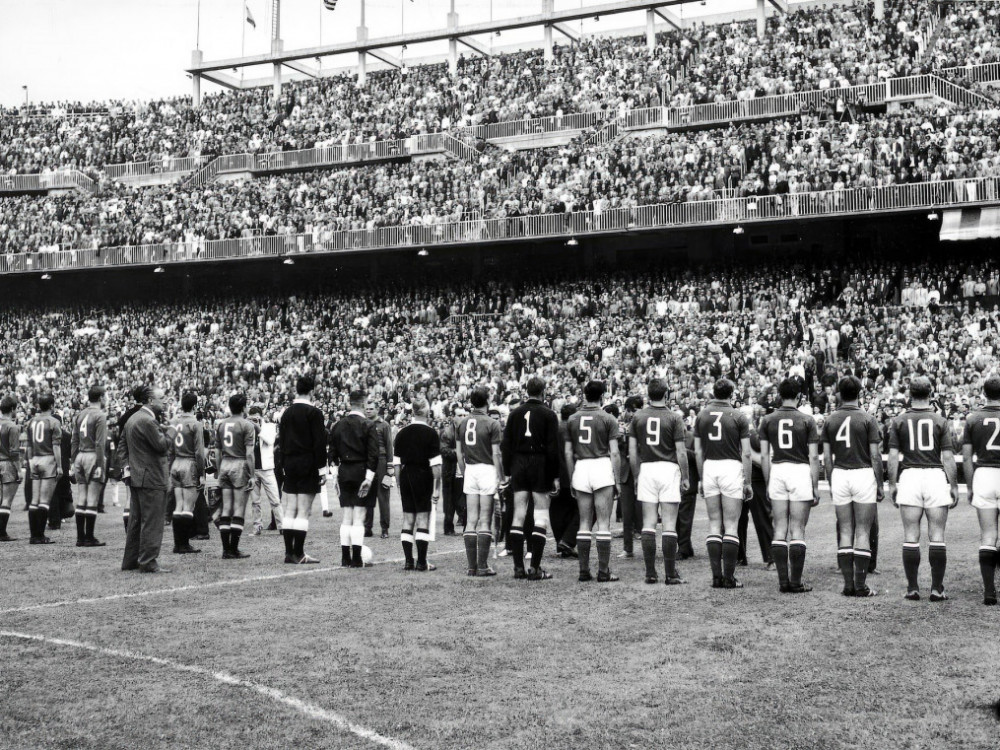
197, 586
307, 709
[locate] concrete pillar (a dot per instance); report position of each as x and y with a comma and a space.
761, 19
547, 7
362, 57
453, 46
880, 9
276, 46
651, 31
196, 58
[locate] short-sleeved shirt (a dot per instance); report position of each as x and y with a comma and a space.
657, 430
789, 433
417, 447
10, 440
188, 436
850, 432
982, 432
920, 435
236, 436
43, 432
478, 433
90, 430
721, 429
590, 431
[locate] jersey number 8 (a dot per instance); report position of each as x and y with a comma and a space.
470, 432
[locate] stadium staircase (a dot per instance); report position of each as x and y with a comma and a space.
64, 179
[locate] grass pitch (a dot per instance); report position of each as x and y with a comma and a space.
256, 654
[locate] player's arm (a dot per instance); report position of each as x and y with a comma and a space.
570, 459
968, 469
633, 455
876, 452
199, 451
814, 468
57, 448
498, 464
27, 445
552, 448
699, 459
828, 462
435, 451
682, 462
506, 448
74, 441
893, 473
616, 463
951, 471
319, 443
747, 468
101, 440
765, 460
372, 458
459, 455
390, 442
249, 438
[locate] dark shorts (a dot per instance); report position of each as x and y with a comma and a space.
301, 476
350, 477
415, 489
527, 474
9, 473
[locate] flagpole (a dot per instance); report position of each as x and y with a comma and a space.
243, 40
197, 35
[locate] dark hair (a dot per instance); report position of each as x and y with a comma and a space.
237, 403
95, 394
479, 397
305, 384
594, 390
920, 388
633, 403
535, 387
140, 392
991, 388
723, 389
46, 401
849, 388
7, 404
567, 411
788, 389
657, 389
189, 400
613, 410
256, 410
357, 396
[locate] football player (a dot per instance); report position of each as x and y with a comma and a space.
235, 435
44, 450
187, 472
920, 442
477, 446
354, 451
89, 462
722, 452
10, 457
981, 442
853, 460
789, 460
593, 462
659, 463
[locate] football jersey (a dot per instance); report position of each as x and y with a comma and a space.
656, 430
236, 437
10, 440
90, 430
591, 430
920, 435
44, 432
789, 433
721, 429
850, 432
982, 432
189, 438
478, 433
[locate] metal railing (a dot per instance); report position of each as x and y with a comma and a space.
974, 73
724, 211
62, 179
535, 125
461, 149
166, 166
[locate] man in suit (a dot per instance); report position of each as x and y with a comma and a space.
384, 473
143, 451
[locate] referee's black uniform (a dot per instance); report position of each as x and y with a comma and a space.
353, 448
530, 447
300, 455
417, 449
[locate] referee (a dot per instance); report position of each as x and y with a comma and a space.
417, 450
354, 449
300, 452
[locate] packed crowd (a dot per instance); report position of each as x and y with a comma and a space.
967, 34
883, 321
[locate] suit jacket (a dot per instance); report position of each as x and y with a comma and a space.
145, 449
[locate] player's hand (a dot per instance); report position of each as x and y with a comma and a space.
954, 496
747, 492
504, 484
815, 501
555, 488
365, 488
97, 476
386, 482
685, 484
968, 493
72, 478
436, 496
322, 480
890, 492
879, 495
618, 489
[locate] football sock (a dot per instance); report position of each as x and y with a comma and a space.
36, 520
235, 532
406, 537
796, 561
224, 532
178, 528
937, 556
357, 542
516, 536
423, 538
4, 516
81, 526
603, 539
845, 559
583, 541
471, 553
779, 554
714, 545
987, 565
288, 532
345, 543
730, 554
649, 551
537, 546
861, 558
911, 564
188, 527
483, 540
669, 543
125, 520
89, 521
302, 528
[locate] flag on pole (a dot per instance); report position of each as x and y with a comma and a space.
330, 4
250, 20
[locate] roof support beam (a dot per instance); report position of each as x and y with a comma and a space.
475, 46
301, 68
780, 5
223, 80
669, 17
386, 58
566, 31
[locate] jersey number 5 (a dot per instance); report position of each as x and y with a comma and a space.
586, 433
227, 435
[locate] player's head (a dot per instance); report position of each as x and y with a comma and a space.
46, 401
189, 402
656, 390
479, 397
7, 405
237, 404
849, 388
421, 409
723, 389
920, 389
305, 384
357, 399
138, 391
593, 392
788, 389
256, 414
96, 394
567, 411
613, 410
535, 387
991, 388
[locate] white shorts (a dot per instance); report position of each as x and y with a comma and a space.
480, 479
923, 488
722, 478
659, 482
593, 474
790, 482
986, 488
853, 486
